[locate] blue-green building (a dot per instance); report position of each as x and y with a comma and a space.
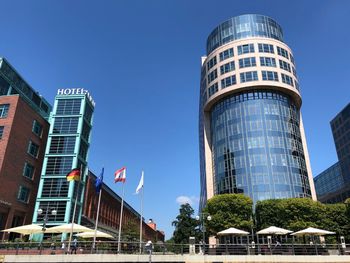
67, 148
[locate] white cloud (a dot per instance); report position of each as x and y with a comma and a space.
182, 199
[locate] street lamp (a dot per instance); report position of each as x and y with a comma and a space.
202, 219
46, 216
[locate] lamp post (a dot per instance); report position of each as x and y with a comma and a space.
201, 219
46, 217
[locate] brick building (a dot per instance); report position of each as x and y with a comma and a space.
110, 214
23, 135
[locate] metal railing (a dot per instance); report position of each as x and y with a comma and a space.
111, 247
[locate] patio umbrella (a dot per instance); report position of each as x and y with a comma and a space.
233, 231
91, 234
311, 231
66, 228
25, 230
273, 230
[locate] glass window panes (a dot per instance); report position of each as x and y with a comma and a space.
65, 125
269, 75
83, 151
4, 86
212, 75
266, 48
284, 65
211, 63
287, 79
282, 52
62, 145
68, 106
85, 133
59, 206
247, 62
248, 76
4, 108
229, 81
33, 149
55, 187
37, 128
1, 131
267, 62
228, 67
23, 194
244, 49
28, 170
88, 113
59, 165
213, 89
226, 54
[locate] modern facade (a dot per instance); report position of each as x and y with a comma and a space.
23, 134
333, 184
251, 133
109, 217
67, 148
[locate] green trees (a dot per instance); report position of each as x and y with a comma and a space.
229, 210
185, 225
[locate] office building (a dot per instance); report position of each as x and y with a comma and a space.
23, 135
333, 184
109, 214
251, 132
67, 148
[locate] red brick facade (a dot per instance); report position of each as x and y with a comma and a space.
18, 126
110, 212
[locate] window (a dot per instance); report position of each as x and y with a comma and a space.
1, 131
212, 75
211, 63
65, 125
269, 75
28, 171
59, 165
37, 128
68, 106
228, 53
229, 81
284, 65
60, 144
292, 58
282, 52
294, 71
286, 79
248, 76
267, 62
244, 49
33, 149
247, 62
266, 48
227, 67
23, 194
213, 89
4, 108
296, 84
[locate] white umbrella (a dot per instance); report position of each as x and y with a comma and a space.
273, 230
91, 234
25, 230
66, 228
311, 231
233, 231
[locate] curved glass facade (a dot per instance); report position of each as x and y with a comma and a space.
257, 146
242, 27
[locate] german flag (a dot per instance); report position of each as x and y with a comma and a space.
73, 175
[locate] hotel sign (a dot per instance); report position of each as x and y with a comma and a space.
76, 91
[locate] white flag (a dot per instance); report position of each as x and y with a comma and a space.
140, 184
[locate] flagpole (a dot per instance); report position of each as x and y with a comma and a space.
120, 220
141, 217
75, 208
96, 223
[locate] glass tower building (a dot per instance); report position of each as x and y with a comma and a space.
251, 133
66, 149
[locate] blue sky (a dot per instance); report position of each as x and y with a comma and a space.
140, 60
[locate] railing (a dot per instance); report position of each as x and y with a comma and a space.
111, 247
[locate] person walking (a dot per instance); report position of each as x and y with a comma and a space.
74, 246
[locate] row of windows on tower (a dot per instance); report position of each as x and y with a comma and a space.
249, 48
251, 76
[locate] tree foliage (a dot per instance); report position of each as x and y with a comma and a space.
229, 210
185, 225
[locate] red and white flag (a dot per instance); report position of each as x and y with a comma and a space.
120, 175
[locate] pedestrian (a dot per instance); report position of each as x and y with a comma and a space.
63, 247
74, 246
